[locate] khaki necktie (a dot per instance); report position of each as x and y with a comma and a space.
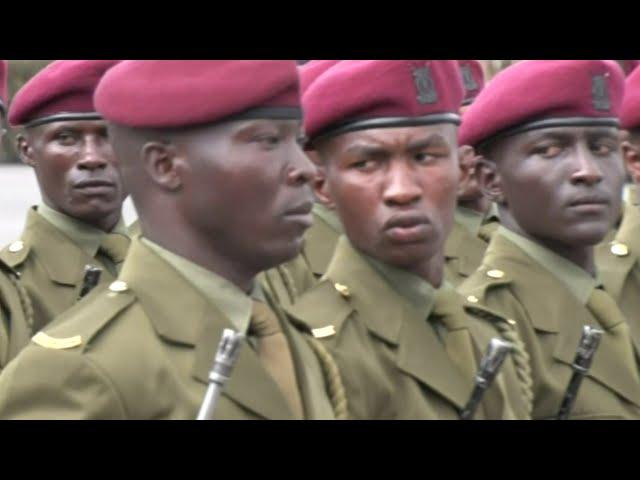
604, 308
457, 341
114, 246
274, 353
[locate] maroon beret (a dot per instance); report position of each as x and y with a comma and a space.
312, 70
630, 112
545, 93
180, 93
472, 79
63, 90
365, 94
4, 85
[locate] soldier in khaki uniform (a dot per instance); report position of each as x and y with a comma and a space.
407, 345
222, 190
16, 318
475, 216
289, 280
79, 221
552, 164
619, 260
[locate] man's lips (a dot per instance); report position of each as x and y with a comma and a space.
93, 183
407, 228
589, 200
301, 214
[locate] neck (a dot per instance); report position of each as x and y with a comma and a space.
197, 249
431, 270
106, 224
581, 255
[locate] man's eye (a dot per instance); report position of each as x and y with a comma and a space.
64, 137
363, 165
602, 149
424, 157
269, 140
548, 151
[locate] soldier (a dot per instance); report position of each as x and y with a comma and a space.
407, 345
289, 280
16, 318
629, 191
548, 133
221, 186
619, 260
475, 217
79, 221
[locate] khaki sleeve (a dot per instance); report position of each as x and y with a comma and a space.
57, 384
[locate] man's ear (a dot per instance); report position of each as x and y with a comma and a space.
631, 155
162, 164
321, 189
466, 161
489, 180
25, 150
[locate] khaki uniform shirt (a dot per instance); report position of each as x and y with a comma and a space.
393, 342
51, 256
143, 349
546, 296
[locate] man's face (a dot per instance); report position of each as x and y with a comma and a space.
75, 167
247, 189
395, 190
631, 152
562, 184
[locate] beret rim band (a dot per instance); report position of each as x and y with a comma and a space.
385, 122
265, 113
269, 113
63, 117
550, 123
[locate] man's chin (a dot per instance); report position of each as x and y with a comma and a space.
284, 253
96, 213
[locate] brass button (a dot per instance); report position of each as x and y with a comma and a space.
619, 249
16, 246
511, 322
495, 274
342, 289
119, 286
472, 299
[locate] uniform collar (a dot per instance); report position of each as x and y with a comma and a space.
470, 219
329, 216
417, 291
235, 304
88, 238
577, 280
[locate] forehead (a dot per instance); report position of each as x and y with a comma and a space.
569, 132
84, 126
220, 131
397, 137
239, 125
